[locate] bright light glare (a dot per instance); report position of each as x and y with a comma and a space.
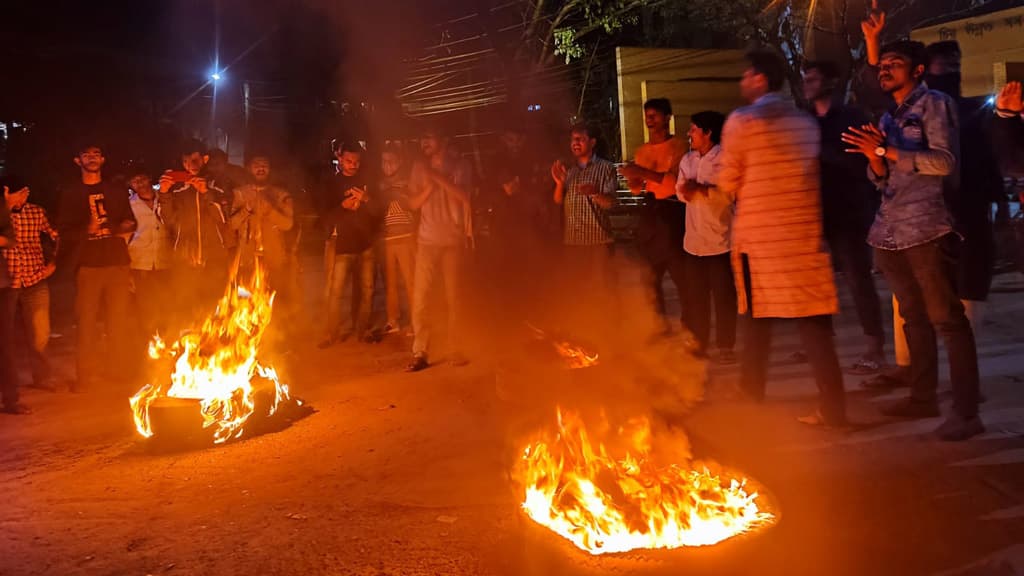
991, 100
215, 76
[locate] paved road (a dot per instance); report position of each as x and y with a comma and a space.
409, 474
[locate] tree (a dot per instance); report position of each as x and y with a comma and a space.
567, 28
795, 28
573, 28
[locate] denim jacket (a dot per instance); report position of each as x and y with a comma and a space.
914, 211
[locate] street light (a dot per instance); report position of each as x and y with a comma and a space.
215, 76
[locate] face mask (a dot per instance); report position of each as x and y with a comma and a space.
948, 83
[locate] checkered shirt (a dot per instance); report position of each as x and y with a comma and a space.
25, 260
586, 223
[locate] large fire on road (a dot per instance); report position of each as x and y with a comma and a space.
604, 504
217, 363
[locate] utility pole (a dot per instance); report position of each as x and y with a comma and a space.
248, 108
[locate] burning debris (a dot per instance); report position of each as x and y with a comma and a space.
216, 366
574, 355
604, 503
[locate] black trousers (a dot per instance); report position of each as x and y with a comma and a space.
661, 260
924, 280
8, 376
710, 280
816, 336
854, 259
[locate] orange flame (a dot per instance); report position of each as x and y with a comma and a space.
604, 505
575, 356
217, 363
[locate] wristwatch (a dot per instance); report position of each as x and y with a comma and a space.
881, 151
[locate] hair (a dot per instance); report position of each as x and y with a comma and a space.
828, 69
945, 48
433, 128
257, 154
393, 148
87, 143
192, 146
768, 63
912, 50
584, 128
662, 105
217, 153
13, 183
350, 146
134, 169
710, 121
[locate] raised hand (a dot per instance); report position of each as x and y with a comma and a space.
559, 172
872, 27
511, 187
1010, 98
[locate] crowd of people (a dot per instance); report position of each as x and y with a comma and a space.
749, 215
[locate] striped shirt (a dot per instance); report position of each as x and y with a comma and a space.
586, 223
398, 221
25, 260
770, 162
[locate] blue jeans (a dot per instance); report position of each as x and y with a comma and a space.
34, 302
8, 376
360, 269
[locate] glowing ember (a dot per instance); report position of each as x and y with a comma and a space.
217, 363
575, 356
603, 504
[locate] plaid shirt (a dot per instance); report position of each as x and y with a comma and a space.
586, 223
25, 260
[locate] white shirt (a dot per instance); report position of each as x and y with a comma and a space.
708, 218
150, 246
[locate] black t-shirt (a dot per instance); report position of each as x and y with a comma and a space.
848, 201
108, 207
530, 210
358, 229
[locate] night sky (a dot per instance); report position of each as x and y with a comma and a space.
116, 69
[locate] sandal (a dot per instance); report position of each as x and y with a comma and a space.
798, 357
866, 366
818, 421
887, 380
17, 409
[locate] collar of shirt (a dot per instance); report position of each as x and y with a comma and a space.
898, 110
710, 154
768, 98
